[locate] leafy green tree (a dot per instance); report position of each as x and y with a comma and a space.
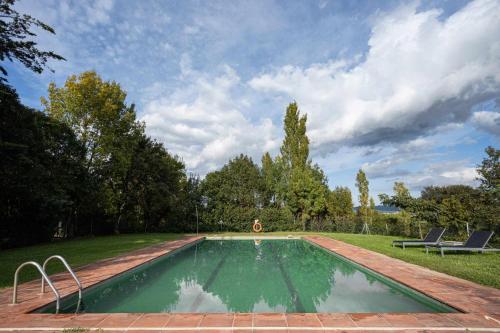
16, 39
340, 204
42, 173
362, 185
373, 209
96, 111
153, 184
307, 196
190, 204
233, 194
453, 215
489, 171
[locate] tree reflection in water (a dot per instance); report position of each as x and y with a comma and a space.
247, 276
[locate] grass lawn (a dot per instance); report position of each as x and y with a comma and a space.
77, 252
480, 268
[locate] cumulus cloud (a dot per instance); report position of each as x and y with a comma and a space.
488, 121
419, 73
444, 173
391, 165
203, 123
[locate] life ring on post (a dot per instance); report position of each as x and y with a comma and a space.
257, 226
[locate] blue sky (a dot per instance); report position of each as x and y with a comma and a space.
408, 91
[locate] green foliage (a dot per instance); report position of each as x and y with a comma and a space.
233, 195
489, 171
96, 111
339, 203
362, 185
454, 207
270, 177
152, 186
190, 205
85, 167
277, 219
288, 188
295, 147
15, 29
41, 175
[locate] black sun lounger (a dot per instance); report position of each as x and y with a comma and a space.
432, 238
476, 243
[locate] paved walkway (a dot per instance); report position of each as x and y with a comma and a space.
481, 305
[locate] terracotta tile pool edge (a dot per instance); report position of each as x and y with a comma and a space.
395, 279
400, 275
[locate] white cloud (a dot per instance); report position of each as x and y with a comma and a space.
488, 121
444, 173
203, 123
419, 73
98, 11
392, 164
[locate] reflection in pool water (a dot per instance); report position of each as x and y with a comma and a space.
248, 276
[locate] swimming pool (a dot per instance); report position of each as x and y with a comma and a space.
250, 276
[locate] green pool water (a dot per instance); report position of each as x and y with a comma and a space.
250, 276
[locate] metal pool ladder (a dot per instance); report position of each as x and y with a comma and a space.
45, 277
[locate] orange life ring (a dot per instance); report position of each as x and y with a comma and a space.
257, 227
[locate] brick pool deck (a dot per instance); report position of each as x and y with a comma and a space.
480, 305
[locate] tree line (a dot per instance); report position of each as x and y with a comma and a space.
286, 192
290, 193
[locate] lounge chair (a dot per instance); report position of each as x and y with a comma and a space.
432, 238
476, 242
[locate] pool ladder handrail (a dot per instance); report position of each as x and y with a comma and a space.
44, 276
68, 268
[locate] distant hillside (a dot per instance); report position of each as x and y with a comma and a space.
383, 209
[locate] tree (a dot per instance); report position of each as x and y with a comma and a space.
307, 195
190, 204
340, 209
42, 173
340, 203
489, 171
300, 186
96, 111
295, 147
15, 29
234, 194
270, 178
153, 187
362, 185
373, 209
401, 191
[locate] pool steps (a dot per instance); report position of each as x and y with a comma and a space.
45, 277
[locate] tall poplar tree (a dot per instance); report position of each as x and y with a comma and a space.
362, 185
295, 147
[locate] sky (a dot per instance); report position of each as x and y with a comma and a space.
406, 90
